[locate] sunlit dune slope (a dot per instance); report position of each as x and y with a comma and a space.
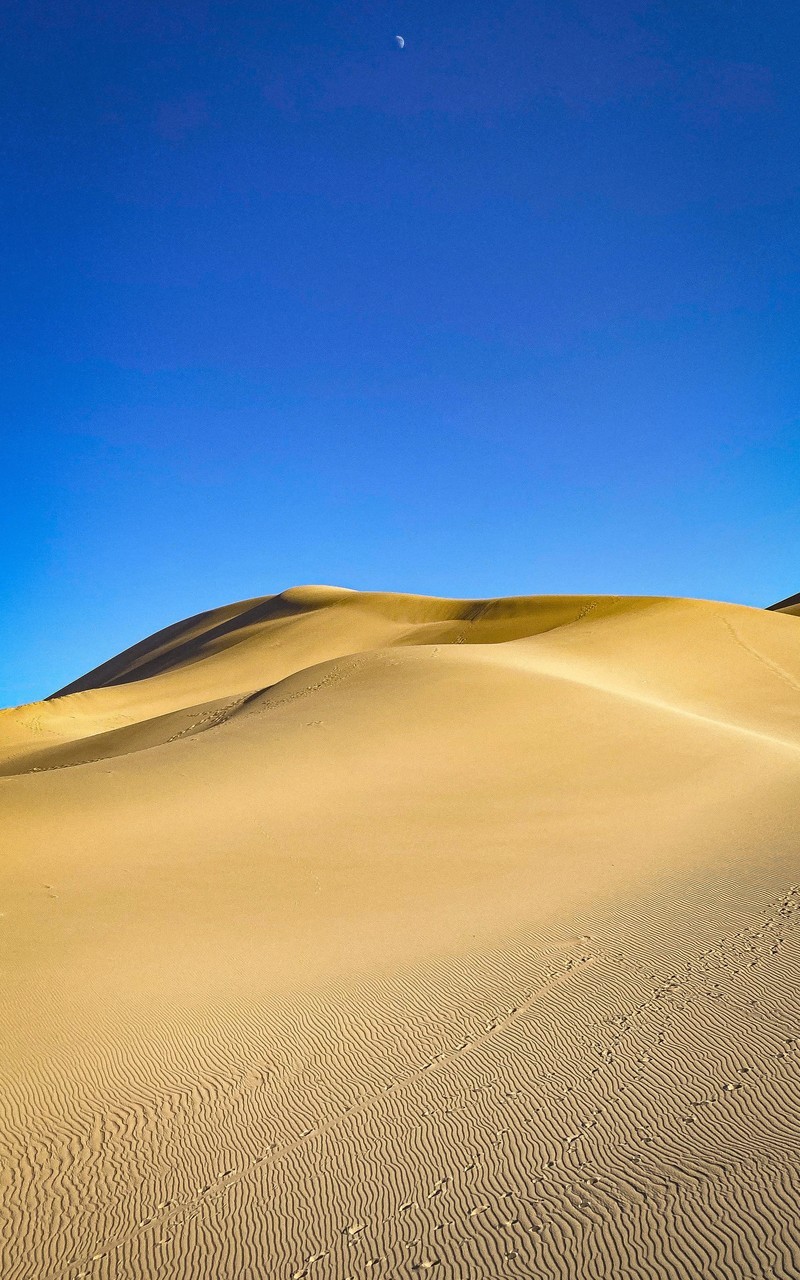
188, 673
354, 934
227, 653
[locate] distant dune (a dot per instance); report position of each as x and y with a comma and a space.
369, 935
790, 605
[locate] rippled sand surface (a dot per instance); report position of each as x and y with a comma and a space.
366, 935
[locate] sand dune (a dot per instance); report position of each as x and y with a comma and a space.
790, 605
356, 934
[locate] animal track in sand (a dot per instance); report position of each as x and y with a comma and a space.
594, 1148
228, 1179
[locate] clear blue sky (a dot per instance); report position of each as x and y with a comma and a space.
512, 310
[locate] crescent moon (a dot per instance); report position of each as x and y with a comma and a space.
400, 42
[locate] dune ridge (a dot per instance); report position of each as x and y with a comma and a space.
790, 605
352, 934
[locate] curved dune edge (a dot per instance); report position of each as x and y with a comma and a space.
449, 938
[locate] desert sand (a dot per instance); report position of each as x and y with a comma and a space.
367, 935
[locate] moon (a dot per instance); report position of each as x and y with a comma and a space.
400, 42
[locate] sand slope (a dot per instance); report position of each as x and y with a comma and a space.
790, 605
355, 934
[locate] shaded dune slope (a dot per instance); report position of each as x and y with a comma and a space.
790, 605
350, 934
232, 651
228, 653
185, 676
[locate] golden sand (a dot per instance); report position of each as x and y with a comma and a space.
366, 935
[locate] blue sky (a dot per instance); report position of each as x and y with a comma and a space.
512, 310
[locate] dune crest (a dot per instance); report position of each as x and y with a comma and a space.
790, 605
352, 934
